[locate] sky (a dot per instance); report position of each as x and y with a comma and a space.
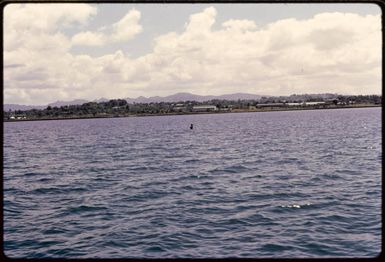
90, 51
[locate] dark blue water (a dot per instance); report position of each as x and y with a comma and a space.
273, 184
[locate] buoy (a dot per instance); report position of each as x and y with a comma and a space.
191, 126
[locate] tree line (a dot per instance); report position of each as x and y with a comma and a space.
120, 107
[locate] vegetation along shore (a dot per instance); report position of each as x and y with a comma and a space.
121, 108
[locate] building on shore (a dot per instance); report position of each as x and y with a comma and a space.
295, 104
17, 117
315, 103
204, 108
179, 108
320, 103
271, 105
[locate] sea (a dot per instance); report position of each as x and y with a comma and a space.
293, 184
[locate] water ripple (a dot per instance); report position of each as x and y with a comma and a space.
277, 184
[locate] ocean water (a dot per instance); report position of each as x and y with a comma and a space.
271, 184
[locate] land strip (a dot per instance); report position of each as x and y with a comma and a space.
209, 110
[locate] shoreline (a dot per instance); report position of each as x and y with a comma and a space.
196, 113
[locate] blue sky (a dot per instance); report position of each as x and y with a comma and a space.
88, 51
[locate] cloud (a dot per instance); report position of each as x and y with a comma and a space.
122, 31
201, 23
13, 65
127, 27
330, 52
242, 56
242, 25
39, 75
24, 22
43, 17
89, 39
327, 39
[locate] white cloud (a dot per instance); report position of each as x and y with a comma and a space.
127, 27
330, 52
46, 17
242, 25
122, 31
201, 23
25, 22
240, 56
89, 39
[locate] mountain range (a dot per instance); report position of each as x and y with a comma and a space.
179, 97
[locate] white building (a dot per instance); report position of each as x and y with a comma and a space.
295, 104
270, 105
314, 103
204, 108
179, 108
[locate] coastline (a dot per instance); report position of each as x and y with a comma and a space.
259, 110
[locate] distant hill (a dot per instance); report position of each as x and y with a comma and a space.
68, 103
101, 100
14, 107
242, 96
179, 97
